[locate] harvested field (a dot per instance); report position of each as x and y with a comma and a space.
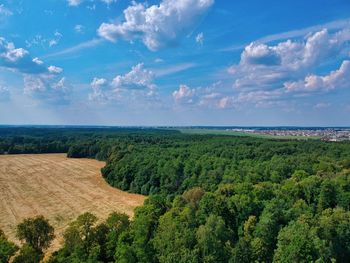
58, 188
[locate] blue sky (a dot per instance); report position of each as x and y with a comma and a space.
175, 62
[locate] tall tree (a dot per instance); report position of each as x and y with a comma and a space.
36, 232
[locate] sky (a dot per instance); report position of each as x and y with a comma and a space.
175, 62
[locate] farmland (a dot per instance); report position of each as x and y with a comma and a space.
58, 188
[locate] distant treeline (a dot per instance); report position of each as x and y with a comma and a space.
216, 198
31, 140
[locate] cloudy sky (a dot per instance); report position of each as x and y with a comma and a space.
175, 62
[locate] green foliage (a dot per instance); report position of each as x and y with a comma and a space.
28, 254
334, 228
213, 240
298, 242
36, 232
7, 248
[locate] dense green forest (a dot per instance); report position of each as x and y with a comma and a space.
211, 198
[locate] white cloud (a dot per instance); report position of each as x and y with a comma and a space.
184, 94
138, 78
265, 96
17, 59
158, 26
137, 83
256, 54
74, 2
55, 70
209, 96
108, 2
78, 2
259, 98
336, 79
55, 40
98, 94
226, 102
40, 82
268, 67
34, 84
279, 75
79, 29
38, 61
200, 38
12, 54
334, 25
42, 41
97, 83
4, 11
297, 55
47, 88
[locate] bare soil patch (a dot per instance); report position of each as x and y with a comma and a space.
58, 188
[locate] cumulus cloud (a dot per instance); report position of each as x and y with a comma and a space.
209, 96
184, 94
257, 98
40, 81
336, 79
278, 75
157, 26
137, 83
47, 88
138, 78
290, 90
38, 61
260, 54
55, 70
273, 74
290, 58
98, 94
18, 59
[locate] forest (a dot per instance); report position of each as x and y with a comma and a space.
211, 198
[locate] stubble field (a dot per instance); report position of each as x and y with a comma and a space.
58, 188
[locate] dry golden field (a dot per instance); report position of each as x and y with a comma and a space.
58, 188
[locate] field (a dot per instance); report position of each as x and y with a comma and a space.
242, 134
58, 188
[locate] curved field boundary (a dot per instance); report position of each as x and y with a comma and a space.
58, 188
